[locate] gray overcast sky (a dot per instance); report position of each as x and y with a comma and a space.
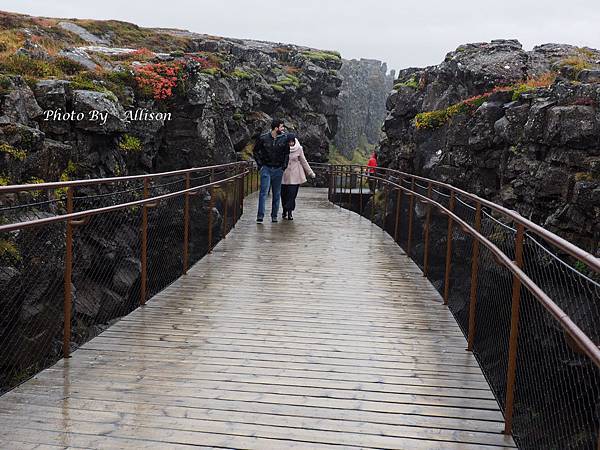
402, 33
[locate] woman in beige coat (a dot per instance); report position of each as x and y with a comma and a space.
293, 177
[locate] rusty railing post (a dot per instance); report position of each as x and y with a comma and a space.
373, 205
474, 273
68, 297
211, 205
225, 204
247, 182
350, 188
335, 171
410, 217
426, 237
186, 224
448, 251
514, 333
397, 221
235, 185
385, 203
144, 261
360, 183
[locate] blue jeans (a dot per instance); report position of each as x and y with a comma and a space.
269, 176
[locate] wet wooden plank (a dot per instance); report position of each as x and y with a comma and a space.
317, 333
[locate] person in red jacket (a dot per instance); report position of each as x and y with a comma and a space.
372, 171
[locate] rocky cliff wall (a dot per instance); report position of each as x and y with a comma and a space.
520, 128
213, 93
362, 97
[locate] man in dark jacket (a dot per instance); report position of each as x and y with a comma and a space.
271, 153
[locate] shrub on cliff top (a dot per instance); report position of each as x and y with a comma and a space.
412, 83
159, 79
241, 75
314, 55
24, 65
578, 63
435, 119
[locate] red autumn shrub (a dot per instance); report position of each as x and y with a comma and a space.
160, 78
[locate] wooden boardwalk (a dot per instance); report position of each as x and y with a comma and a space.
316, 333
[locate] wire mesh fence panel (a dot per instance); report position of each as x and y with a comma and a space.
31, 300
106, 271
110, 194
165, 244
571, 286
198, 237
557, 386
493, 305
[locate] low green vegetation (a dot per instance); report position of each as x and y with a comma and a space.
69, 171
315, 55
359, 156
125, 34
584, 176
4, 180
26, 66
577, 63
15, 153
288, 80
438, 118
94, 82
5, 84
129, 143
241, 75
412, 83
213, 71
8, 250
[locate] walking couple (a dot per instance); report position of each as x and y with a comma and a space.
283, 168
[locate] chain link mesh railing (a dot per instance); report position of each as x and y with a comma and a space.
528, 303
118, 241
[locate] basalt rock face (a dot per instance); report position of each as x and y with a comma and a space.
519, 128
365, 87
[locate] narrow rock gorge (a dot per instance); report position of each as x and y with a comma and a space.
366, 84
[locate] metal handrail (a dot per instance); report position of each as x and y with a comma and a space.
520, 278
243, 179
91, 212
97, 181
574, 251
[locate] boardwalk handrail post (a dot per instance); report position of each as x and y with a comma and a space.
144, 250
410, 217
474, 278
398, 204
350, 187
360, 183
448, 251
186, 224
211, 205
334, 184
514, 333
225, 207
68, 295
373, 204
235, 199
426, 231
385, 203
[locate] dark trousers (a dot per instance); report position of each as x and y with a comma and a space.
289, 192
